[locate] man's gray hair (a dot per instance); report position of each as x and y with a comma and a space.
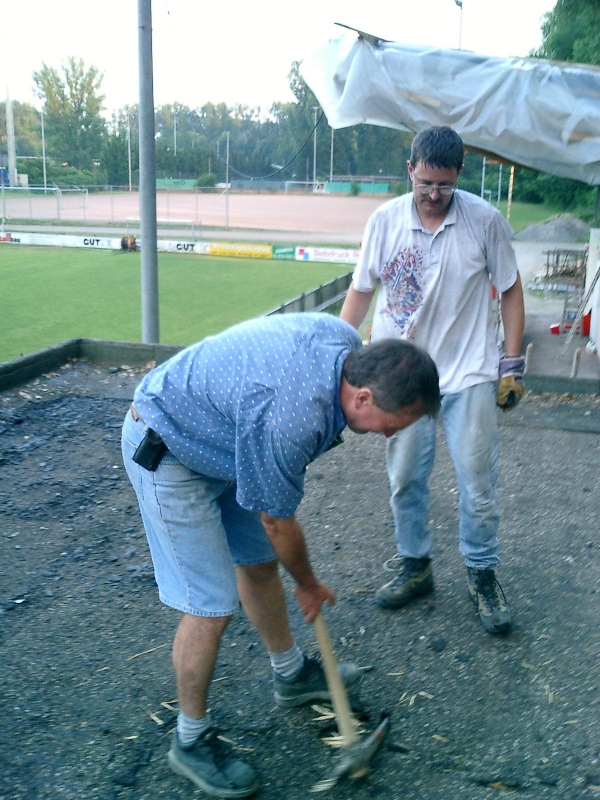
398, 373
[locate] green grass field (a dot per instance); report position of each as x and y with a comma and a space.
524, 214
49, 295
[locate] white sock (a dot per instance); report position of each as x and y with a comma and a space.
288, 663
189, 728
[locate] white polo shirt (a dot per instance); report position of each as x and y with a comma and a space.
435, 287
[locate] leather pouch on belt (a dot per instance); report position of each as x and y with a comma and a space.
150, 451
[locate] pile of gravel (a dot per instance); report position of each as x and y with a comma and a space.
560, 228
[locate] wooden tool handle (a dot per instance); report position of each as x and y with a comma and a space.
335, 684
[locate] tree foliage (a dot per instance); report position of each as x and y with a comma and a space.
191, 143
571, 32
74, 125
28, 139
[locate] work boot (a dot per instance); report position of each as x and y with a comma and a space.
310, 683
210, 765
414, 580
487, 595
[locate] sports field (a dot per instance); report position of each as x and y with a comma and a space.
329, 216
48, 295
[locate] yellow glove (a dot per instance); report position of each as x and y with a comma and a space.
510, 382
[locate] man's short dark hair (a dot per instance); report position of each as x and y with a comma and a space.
438, 147
397, 372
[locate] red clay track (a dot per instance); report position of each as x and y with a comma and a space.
277, 212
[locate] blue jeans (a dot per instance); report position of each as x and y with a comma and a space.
196, 531
471, 427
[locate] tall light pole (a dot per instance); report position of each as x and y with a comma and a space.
10, 140
459, 4
483, 177
44, 152
147, 193
129, 148
175, 135
331, 160
499, 184
227, 186
315, 109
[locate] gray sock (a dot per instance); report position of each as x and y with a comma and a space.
189, 728
288, 663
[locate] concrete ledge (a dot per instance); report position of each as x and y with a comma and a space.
27, 368
100, 351
114, 354
561, 385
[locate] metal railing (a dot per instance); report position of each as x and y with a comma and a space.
319, 299
132, 226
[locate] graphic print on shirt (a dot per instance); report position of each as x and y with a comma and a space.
402, 278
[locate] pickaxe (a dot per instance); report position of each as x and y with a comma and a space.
355, 753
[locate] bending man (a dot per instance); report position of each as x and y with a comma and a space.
216, 446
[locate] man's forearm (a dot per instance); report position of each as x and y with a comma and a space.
513, 317
287, 540
355, 306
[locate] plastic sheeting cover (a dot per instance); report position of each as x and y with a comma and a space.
530, 112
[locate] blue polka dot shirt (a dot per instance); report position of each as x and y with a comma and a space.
254, 404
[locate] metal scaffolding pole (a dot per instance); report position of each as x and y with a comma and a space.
150, 316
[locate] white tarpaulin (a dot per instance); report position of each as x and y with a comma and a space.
527, 111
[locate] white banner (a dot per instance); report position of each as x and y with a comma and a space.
172, 246
334, 255
62, 240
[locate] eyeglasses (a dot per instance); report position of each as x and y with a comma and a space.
444, 189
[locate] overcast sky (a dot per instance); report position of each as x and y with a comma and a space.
236, 51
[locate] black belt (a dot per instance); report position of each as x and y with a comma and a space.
134, 414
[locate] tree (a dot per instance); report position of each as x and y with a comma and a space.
571, 32
74, 126
115, 151
28, 140
367, 150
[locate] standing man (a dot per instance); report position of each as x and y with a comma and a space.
216, 446
435, 252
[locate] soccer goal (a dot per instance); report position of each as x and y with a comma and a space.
39, 202
70, 199
307, 186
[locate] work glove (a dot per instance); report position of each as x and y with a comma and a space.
510, 381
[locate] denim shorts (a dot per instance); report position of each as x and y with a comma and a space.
196, 531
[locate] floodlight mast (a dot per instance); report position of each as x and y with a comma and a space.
147, 180
315, 109
44, 153
460, 5
331, 159
10, 139
129, 149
